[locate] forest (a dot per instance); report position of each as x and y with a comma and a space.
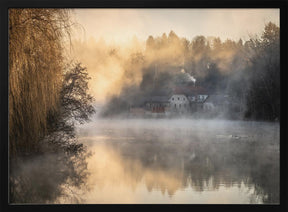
249, 72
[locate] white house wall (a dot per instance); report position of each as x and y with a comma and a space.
179, 103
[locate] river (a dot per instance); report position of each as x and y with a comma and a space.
165, 161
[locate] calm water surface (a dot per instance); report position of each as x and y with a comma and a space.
180, 161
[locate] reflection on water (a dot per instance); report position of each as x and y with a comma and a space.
184, 161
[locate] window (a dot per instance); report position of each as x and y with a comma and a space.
178, 98
173, 99
179, 105
175, 106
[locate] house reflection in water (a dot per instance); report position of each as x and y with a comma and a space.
139, 166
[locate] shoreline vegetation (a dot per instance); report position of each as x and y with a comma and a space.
46, 98
48, 93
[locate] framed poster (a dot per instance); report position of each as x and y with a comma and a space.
144, 105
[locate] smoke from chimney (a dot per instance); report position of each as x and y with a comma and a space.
189, 76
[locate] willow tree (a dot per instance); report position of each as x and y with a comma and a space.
35, 73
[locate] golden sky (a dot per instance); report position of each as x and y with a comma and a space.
104, 29
121, 24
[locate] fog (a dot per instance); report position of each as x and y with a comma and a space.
127, 73
114, 67
167, 161
200, 129
159, 161
44, 178
108, 66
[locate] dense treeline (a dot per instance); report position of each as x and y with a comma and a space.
263, 96
249, 72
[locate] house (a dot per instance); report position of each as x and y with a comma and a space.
189, 90
183, 100
179, 103
157, 104
187, 99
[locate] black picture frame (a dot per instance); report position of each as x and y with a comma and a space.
6, 4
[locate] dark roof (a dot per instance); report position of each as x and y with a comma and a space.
161, 99
189, 90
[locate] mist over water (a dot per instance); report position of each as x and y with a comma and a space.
160, 161
181, 161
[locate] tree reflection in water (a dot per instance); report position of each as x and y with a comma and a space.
177, 159
155, 164
48, 178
